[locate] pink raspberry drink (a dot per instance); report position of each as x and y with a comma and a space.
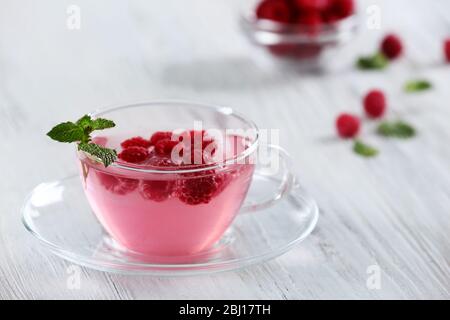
148, 214
149, 204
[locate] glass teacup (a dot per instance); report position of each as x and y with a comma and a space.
176, 210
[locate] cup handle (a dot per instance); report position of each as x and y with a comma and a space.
284, 188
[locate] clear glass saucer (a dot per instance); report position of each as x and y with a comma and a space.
58, 215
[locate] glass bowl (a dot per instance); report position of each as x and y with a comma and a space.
306, 46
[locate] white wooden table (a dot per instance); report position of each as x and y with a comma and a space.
392, 211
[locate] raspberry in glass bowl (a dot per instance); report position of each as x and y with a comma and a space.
304, 31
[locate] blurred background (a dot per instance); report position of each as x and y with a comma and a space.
392, 210
141, 50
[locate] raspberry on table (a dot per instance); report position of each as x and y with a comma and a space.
135, 142
275, 10
375, 103
347, 125
392, 46
447, 49
134, 154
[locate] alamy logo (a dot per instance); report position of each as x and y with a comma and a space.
374, 277
74, 277
374, 17
73, 21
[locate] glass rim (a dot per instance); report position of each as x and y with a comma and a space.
226, 111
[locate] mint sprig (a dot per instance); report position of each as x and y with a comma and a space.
396, 129
67, 132
417, 85
377, 61
80, 132
364, 150
107, 156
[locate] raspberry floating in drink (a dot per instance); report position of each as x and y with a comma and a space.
135, 142
156, 190
115, 184
134, 154
165, 146
199, 190
160, 135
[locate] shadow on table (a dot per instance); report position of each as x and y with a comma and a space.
327, 139
228, 74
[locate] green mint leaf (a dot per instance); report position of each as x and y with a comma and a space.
364, 150
397, 129
80, 132
88, 124
85, 121
100, 124
67, 132
417, 85
107, 156
376, 62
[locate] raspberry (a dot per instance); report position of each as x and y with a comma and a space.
347, 125
199, 189
282, 49
135, 142
447, 49
342, 8
300, 52
117, 185
134, 154
312, 19
312, 4
391, 46
224, 179
375, 103
160, 162
160, 135
165, 146
275, 10
329, 17
310, 22
156, 190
